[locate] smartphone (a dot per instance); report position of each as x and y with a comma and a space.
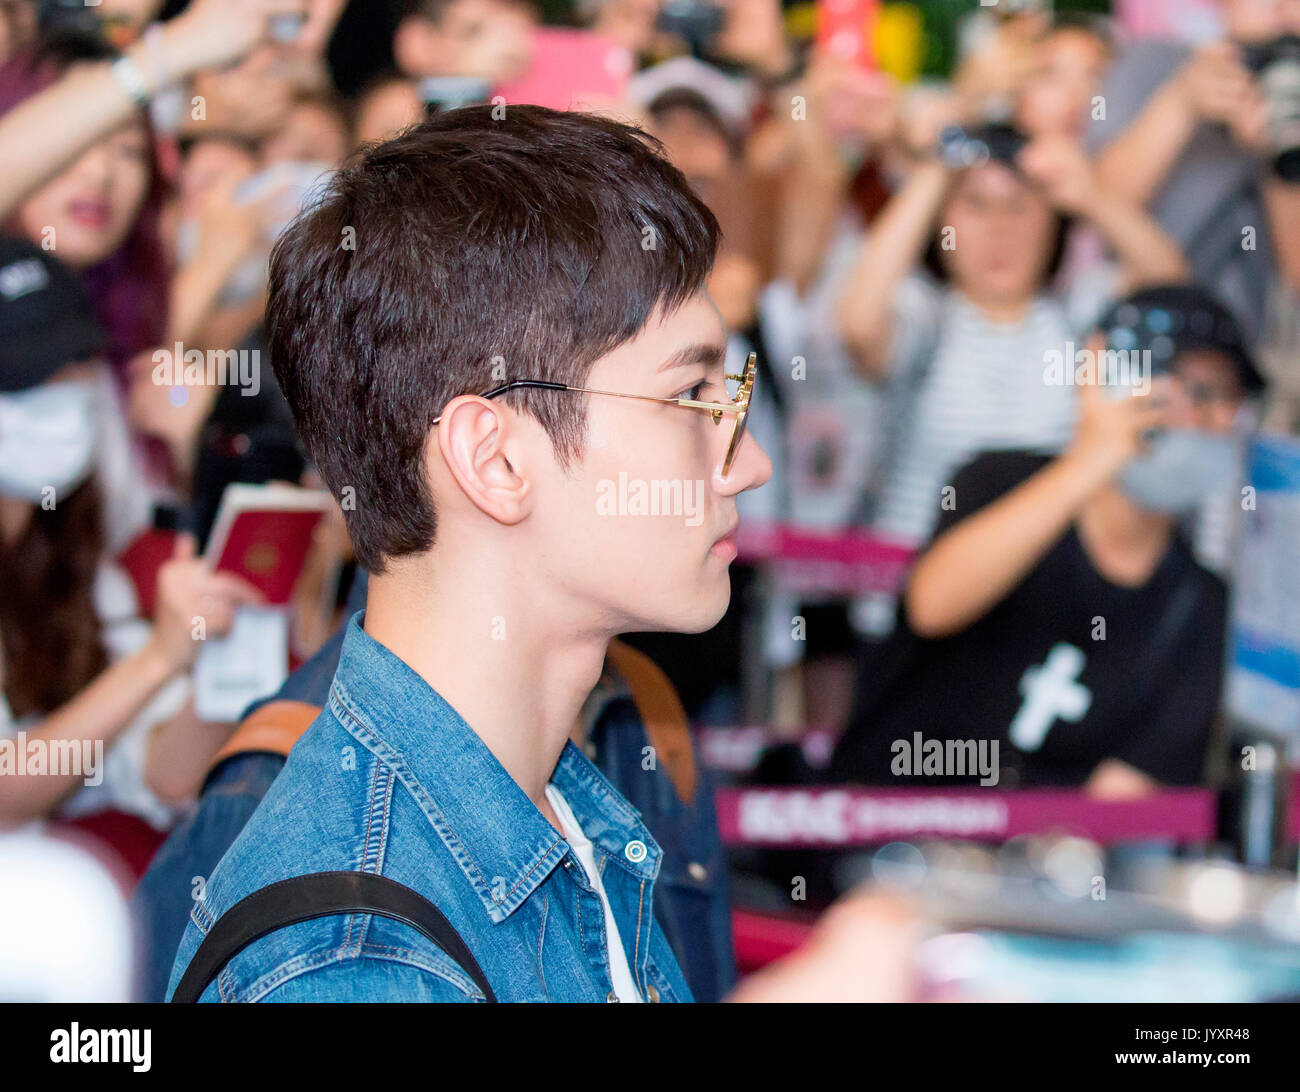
696, 22
299, 186
449, 92
846, 30
571, 69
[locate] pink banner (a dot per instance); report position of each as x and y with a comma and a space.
826, 817
844, 562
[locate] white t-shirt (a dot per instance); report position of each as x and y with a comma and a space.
619, 971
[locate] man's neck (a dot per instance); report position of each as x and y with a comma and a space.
1126, 543
498, 648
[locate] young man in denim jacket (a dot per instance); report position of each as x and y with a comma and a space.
500, 354
691, 898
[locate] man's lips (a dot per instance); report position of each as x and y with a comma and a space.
726, 545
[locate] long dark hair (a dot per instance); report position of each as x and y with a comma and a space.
129, 288
49, 628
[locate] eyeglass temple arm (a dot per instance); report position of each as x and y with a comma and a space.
691, 402
715, 408
516, 384
542, 384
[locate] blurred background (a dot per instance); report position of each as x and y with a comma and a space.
926, 209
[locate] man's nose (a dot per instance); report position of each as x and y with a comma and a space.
749, 469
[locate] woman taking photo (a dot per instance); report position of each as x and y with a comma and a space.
81, 673
963, 349
84, 181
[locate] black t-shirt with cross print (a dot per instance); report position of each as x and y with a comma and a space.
1068, 670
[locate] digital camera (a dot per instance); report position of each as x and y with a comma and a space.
1276, 66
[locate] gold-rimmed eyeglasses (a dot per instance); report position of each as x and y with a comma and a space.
739, 405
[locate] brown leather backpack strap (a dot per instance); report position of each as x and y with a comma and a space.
661, 713
273, 727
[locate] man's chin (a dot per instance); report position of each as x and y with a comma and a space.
698, 616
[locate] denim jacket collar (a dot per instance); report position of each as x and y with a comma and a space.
501, 841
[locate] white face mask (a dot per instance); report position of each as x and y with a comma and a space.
48, 438
1182, 468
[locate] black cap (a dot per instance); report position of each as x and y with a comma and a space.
1170, 319
46, 319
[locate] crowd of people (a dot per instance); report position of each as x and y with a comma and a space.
939, 281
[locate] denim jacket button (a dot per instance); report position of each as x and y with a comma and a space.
612, 997
653, 994
635, 851
697, 871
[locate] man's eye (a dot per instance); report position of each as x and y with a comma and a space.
694, 393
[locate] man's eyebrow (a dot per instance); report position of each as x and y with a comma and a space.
708, 353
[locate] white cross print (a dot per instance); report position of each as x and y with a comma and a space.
1050, 691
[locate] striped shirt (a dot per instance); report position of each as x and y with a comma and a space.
965, 384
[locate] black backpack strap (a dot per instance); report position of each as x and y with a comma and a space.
320, 895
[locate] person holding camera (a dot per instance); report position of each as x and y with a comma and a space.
987, 214
1209, 140
1057, 613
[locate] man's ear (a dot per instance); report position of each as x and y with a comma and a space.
471, 441
416, 47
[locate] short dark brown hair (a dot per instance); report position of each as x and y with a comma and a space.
537, 240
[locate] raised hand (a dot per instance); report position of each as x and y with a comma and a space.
194, 603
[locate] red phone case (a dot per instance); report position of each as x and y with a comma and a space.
846, 28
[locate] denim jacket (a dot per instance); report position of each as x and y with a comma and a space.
691, 903
390, 779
